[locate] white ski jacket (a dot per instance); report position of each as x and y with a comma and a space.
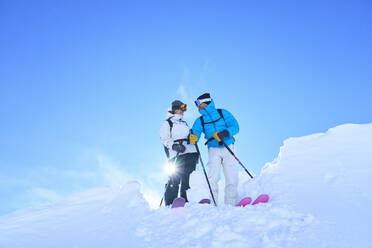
180, 130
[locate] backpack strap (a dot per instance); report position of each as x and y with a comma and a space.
166, 150
170, 132
170, 125
221, 116
220, 112
202, 122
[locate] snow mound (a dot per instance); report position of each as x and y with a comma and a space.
225, 226
101, 217
320, 197
328, 175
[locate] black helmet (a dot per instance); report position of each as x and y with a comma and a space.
177, 104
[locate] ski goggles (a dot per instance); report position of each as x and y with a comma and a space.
183, 107
199, 102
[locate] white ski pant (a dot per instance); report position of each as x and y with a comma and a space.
217, 157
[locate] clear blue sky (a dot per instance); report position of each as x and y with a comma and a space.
85, 85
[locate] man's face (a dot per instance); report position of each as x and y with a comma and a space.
202, 106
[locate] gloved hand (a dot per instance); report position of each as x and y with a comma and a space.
179, 148
221, 135
193, 138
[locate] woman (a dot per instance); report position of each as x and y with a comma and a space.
174, 135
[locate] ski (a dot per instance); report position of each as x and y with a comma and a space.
178, 202
263, 198
245, 201
205, 201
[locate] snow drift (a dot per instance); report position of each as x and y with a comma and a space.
329, 176
320, 197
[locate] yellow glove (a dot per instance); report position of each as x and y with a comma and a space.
193, 138
215, 135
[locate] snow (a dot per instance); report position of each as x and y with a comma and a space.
320, 193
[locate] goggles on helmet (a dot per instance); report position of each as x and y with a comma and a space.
183, 107
198, 102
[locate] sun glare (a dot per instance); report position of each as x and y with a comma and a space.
170, 169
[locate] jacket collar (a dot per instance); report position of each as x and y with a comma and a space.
177, 117
209, 110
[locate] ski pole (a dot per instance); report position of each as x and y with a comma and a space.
161, 202
166, 185
232, 153
205, 173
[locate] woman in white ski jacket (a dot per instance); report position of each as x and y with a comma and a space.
174, 134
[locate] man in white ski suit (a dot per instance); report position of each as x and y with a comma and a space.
217, 125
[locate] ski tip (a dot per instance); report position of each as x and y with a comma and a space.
245, 201
205, 201
261, 199
178, 202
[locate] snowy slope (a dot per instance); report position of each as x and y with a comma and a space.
320, 197
327, 175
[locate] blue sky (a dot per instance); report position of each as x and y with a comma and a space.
85, 85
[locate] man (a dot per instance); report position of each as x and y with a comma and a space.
174, 135
217, 125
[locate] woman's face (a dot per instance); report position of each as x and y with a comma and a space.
179, 111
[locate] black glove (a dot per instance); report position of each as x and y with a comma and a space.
223, 134
179, 148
